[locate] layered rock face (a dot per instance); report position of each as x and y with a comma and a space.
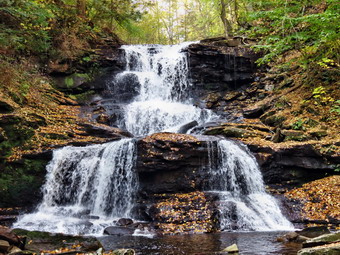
219, 67
170, 163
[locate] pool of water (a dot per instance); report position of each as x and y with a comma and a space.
249, 243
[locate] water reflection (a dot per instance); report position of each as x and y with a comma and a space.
250, 243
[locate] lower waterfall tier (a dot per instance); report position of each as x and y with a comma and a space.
90, 188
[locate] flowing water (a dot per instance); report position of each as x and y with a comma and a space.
163, 102
88, 188
243, 203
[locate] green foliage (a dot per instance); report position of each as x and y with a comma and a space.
320, 95
307, 26
298, 125
336, 107
39, 27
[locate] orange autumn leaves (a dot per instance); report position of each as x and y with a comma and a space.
320, 198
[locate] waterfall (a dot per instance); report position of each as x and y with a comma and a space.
243, 202
163, 102
86, 188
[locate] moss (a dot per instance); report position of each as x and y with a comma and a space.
69, 81
20, 183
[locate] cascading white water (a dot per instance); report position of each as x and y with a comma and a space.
86, 189
243, 201
163, 103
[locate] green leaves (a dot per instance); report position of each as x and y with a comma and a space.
287, 25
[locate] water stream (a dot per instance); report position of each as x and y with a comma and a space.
88, 188
243, 202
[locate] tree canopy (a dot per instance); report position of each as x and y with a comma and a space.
42, 27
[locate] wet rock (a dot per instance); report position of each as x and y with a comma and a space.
238, 130
92, 245
295, 164
103, 119
12, 238
273, 120
105, 131
231, 249
214, 65
14, 250
193, 212
232, 95
168, 162
38, 241
4, 246
255, 111
123, 252
322, 240
184, 129
124, 222
292, 237
125, 87
314, 231
119, 231
6, 106
331, 249
295, 135
75, 83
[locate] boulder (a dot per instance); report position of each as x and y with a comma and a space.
184, 129
215, 66
123, 252
330, 249
14, 250
12, 238
125, 87
4, 246
6, 106
124, 222
231, 249
103, 119
312, 232
322, 240
119, 231
255, 111
168, 162
104, 131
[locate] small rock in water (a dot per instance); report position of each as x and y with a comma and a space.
314, 231
231, 249
14, 250
124, 252
4, 246
124, 222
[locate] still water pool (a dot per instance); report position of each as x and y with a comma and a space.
249, 243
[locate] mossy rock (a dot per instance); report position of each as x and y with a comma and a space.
274, 120
231, 132
123, 252
10, 119
295, 135
38, 241
318, 133
21, 182
6, 106
323, 239
333, 249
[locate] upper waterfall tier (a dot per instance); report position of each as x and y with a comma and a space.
163, 101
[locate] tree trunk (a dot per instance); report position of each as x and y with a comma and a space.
81, 8
225, 21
